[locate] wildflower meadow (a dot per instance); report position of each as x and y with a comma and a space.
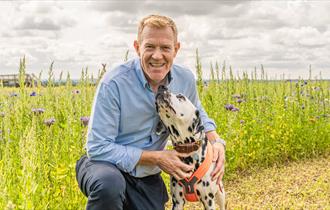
43, 129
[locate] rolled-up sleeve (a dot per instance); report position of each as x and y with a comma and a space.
209, 124
103, 130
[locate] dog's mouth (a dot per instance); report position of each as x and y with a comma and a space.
163, 96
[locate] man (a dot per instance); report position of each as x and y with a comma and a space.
124, 154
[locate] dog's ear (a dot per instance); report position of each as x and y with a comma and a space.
197, 113
197, 124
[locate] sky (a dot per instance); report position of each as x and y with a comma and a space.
286, 37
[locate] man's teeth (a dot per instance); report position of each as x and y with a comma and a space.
157, 64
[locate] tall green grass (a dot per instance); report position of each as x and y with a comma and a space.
275, 122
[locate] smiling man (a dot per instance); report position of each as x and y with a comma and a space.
125, 154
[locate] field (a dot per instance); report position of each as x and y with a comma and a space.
42, 132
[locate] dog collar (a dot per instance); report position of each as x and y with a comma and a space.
188, 147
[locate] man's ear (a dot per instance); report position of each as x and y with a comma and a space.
137, 47
177, 47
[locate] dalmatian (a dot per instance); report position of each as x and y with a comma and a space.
182, 121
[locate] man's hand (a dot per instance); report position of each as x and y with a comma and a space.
218, 157
169, 161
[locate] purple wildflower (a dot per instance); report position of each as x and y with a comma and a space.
242, 121
49, 122
33, 93
84, 120
240, 100
235, 109
38, 111
236, 96
229, 107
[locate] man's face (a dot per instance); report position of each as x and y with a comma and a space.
157, 51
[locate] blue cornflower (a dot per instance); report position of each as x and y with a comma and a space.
33, 93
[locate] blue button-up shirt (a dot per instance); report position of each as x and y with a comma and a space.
124, 117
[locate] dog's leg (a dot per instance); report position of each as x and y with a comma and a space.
178, 200
221, 195
209, 204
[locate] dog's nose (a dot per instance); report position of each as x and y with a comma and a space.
161, 91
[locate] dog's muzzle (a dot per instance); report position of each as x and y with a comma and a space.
163, 97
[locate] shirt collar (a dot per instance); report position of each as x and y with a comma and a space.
142, 78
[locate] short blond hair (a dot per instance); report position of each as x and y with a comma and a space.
157, 21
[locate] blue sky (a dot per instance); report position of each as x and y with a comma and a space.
284, 36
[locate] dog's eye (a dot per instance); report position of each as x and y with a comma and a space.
181, 97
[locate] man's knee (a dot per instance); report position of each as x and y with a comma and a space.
111, 187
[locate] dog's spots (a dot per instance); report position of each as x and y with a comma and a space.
181, 194
175, 131
204, 183
174, 180
182, 115
196, 166
168, 116
197, 113
192, 139
188, 160
198, 193
210, 202
205, 198
190, 129
211, 195
169, 129
173, 184
207, 183
203, 150
186, 140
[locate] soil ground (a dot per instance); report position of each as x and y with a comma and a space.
296, 185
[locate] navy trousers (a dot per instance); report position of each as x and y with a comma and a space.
108, 188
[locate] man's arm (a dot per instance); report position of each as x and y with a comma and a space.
103, 130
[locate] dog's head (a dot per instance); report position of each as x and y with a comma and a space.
179, 116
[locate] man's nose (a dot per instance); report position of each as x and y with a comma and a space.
157, 54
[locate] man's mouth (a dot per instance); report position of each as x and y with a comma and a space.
157, 65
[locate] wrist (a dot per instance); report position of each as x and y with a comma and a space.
149, 158
219, 140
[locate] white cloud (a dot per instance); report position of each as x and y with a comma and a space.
284, 36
